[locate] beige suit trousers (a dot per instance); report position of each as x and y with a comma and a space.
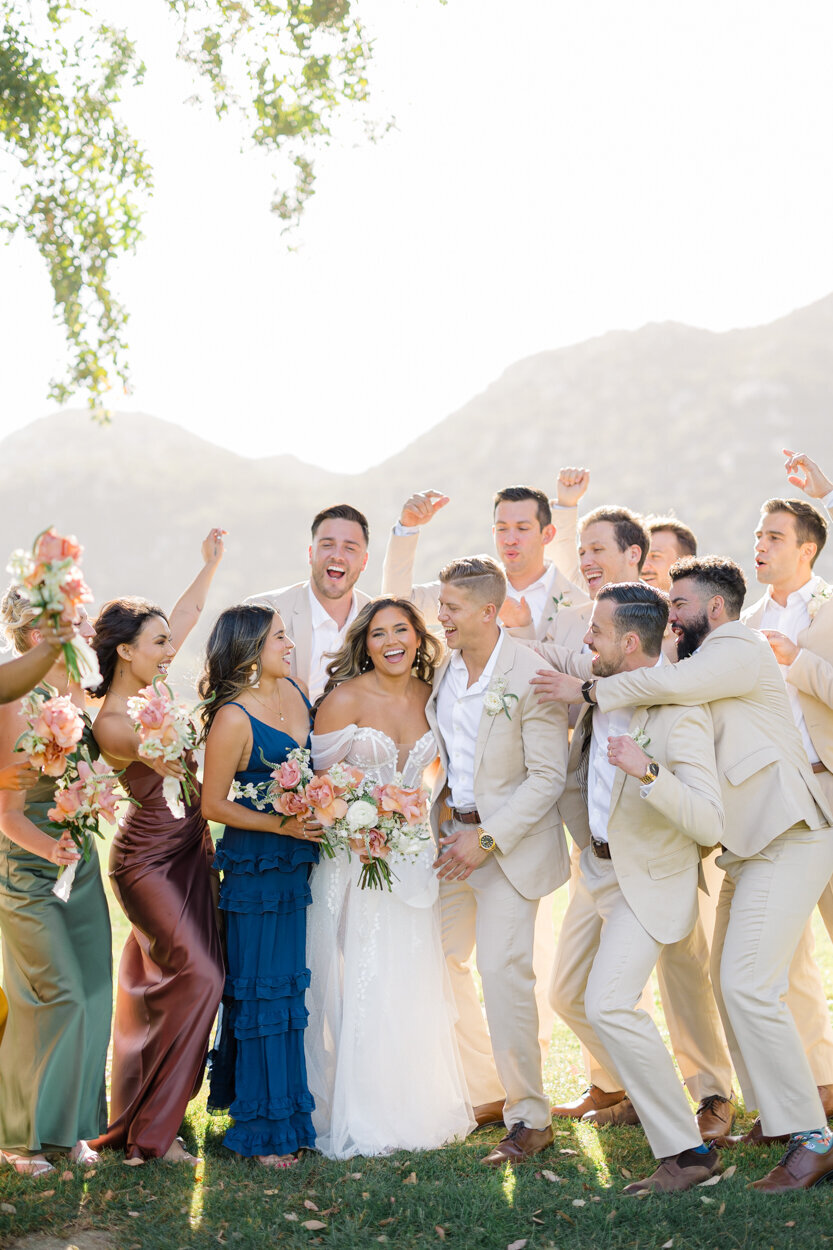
504, 1062
543, 958
761, 915
604, 958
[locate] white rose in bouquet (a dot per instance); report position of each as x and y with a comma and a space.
492, 703
361, 815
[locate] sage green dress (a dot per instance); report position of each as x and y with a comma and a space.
57, 975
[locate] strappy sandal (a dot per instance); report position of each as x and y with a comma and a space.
26, 1165
84, 1155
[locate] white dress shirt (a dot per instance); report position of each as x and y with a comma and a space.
790, 619
601, 772
538, 596
459, 709
326, 637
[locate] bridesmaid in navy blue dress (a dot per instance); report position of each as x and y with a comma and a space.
256, 716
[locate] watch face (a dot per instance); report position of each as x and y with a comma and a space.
486, 841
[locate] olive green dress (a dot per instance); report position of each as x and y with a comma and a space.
57, 973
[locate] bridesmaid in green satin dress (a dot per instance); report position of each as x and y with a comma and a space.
56, 961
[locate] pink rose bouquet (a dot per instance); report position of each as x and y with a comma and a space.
55, 729
54, 585
85, 795
166, 731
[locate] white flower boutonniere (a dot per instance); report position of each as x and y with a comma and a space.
642, 740
817, 599
559, 602
496, 699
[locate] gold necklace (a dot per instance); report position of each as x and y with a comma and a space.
281, 716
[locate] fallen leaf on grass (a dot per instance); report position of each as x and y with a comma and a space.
89, 1171
411, 1179
551, 1176
535, 1220
626, 1172
66, 1176
565, 1217
595, 1198
269, 1192
709, 1200
568, 1152
581, 1168
332, 1210
730, 1171
721, 1208
47, 1193
713, 1180
108, 1196
310, 1206
353, 1176
313, 1225
611, 1215
440, 1231
666, 1245
579, 1202
517, 1245
365, 1195
790, 1224
8, 1208
133, 1214
390, 1220
290, 1215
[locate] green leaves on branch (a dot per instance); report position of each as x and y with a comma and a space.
79, 179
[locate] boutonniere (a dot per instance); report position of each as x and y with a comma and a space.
559, 602
642, 740
817, 599
496, 699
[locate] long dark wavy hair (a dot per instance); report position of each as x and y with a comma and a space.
232, 657
119, 621
353, 658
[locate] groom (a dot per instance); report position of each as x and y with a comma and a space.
501, 845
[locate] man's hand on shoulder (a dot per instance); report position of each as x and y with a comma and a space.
421, 507
571, 486
806, 475
553, 687
515, 613
783, 648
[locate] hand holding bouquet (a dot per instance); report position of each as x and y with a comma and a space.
55, 729
166, 734
55, 586
85, 794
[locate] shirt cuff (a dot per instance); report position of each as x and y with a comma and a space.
404, 531
828, 501
646, 790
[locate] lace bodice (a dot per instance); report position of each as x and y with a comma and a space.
375, 753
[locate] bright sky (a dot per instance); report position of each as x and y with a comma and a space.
558, 170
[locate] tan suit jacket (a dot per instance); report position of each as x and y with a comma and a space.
292, 602
811, 672
653, 840
767, 782
398, 579
519, 768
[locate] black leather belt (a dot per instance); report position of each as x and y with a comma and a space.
600, 849
466, 818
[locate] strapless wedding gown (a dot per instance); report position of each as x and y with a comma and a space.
382, 1058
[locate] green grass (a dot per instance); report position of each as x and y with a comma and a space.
418, 1200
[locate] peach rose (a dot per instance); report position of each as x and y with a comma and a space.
408, 803
153, 713
67, 803
60, 722
288, 776
321, 797
373, 845
54, 546
290, 803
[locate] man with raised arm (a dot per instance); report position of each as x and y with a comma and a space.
316, 612
501, 846
642, 792
778, 844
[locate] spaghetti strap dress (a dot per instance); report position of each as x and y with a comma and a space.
258, 1070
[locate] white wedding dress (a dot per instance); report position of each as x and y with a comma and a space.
382, 1058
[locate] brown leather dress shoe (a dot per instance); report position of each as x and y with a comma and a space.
593, 1099
680, 1172
622, 1112
754, 1137
715, 1117
518, 1144
487, 1113
799, 1168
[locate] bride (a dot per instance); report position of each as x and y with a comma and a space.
382, 1057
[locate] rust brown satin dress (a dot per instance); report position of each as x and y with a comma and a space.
171, 973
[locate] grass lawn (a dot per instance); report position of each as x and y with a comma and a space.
568, 1196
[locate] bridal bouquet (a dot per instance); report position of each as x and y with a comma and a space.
85, 794
166, 731
55, 729
379, 821
294, 790
55, 586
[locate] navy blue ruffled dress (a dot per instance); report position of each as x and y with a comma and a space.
258, 1069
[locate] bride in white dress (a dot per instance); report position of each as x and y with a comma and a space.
382, 1058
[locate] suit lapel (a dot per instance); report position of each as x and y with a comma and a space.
505, 661
431, 715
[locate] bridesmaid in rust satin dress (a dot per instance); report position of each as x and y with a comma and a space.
171, 973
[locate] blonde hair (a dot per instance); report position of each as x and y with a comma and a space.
16, 618
480, 575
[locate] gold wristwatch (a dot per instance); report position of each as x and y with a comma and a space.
487, 842
651, 775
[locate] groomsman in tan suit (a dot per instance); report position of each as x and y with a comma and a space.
316, 613
796, 615
501, 846
613, 543
778, 845
522, 529
642, 792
